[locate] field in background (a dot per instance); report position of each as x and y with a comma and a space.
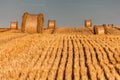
4, 29
66, 54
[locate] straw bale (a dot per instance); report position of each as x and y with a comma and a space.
32, 23
88, 23
51, 24
24, 17
105, 27
14, 25
40, 23
110, 25
99, 30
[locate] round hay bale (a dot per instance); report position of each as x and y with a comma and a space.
88, 23
32, 22
110, 25
51, 24
24, 17
14, 25
40, 23
105, 27
99, 30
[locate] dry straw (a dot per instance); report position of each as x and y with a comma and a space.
110, 25
105, 27
100, 30
51, 24
88, 23
14, 25
32, 23
40, 23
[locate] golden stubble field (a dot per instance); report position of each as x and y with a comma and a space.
70, 54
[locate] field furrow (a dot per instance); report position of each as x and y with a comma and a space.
59, 56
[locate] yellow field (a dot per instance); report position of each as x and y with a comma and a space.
3, 29
70, 54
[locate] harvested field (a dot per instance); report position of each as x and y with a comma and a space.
74, 30
4, 29
70, 55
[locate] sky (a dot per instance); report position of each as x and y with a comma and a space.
65, 12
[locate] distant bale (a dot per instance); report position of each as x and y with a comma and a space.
105, 27
88, 23
51, 24
32, 23
14, 25
99, 30
110, 25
